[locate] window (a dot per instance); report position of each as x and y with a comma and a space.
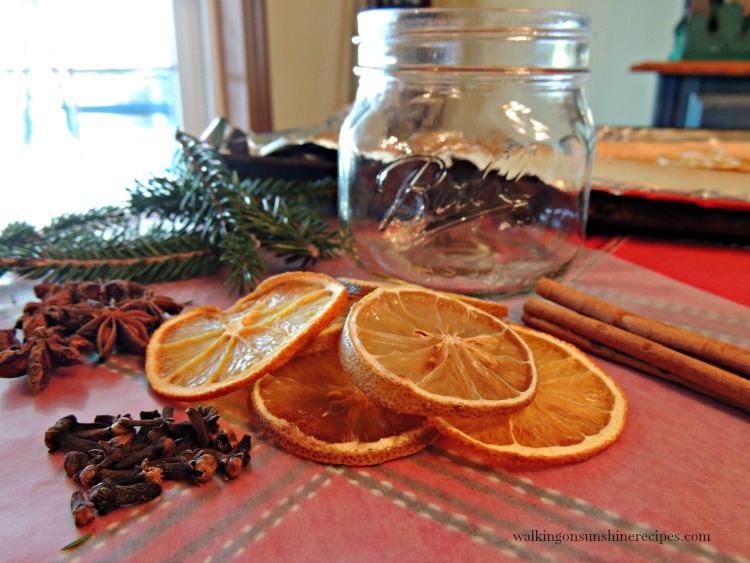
90, 101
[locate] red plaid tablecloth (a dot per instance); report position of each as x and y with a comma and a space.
680, 470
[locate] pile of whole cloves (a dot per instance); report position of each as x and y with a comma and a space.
122, 461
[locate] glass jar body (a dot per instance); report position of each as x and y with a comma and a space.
472, 179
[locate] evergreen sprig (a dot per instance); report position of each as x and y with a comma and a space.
147, 259
194, 219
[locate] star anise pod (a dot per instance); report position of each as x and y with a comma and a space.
72, 317
14, 359
76, 316
42, 352
32, 318
8, 338
120, 290
86, 291
158, 306
113, 326
53, 293
14, 362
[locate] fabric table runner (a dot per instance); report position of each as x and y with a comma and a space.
674, 487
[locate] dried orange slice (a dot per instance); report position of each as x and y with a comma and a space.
329, 337
362, 287
206, 352
423, 352
357, 289
312, 408
578, 411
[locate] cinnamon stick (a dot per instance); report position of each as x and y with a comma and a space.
692, 343
692, 371
611, 354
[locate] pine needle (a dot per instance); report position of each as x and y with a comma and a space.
76, 542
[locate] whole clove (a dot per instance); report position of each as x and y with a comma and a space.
124, 457
122, 460
82, 510
75, 461
234, 461
199, 425
93, 474
62, 436
196, 470
225, 440
108, 495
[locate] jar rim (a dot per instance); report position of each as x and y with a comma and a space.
494, 73
392, 23
483, 38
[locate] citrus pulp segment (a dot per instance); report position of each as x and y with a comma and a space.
578, 411
206, 352
312, 408
423, 352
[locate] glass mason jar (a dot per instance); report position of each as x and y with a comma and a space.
464, 162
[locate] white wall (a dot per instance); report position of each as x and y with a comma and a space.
309, 42
310, 57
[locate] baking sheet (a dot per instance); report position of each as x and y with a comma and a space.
707, 168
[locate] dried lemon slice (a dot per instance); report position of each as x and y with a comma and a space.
578, 411
357, 288
361, 288
206, 352
424, 352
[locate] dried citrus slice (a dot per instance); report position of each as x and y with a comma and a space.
578, 411
329, 337
423, 352
362, 287
207, 352
312, 408
356, 289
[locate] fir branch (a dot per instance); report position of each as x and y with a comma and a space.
159, 196
290, 232
319, 192
17, 234
89, 227
246, 263
213, 182
220, 186
99, 219
192, 220
151, 261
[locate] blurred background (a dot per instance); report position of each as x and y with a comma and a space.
93, 90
